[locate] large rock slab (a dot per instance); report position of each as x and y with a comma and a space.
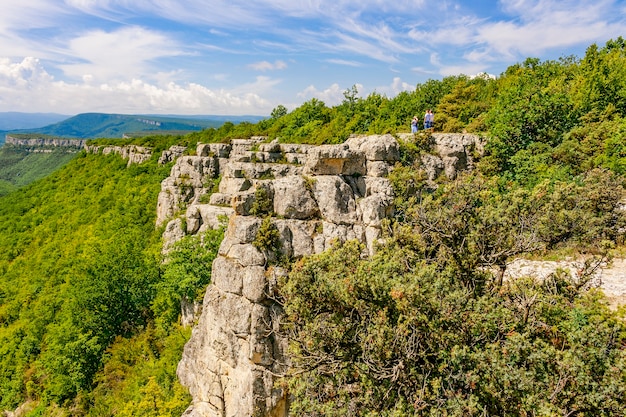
293, 198
334, 160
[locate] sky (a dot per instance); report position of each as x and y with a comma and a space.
246, 57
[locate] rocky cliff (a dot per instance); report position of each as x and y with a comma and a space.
43, 144
133, 153
310, 197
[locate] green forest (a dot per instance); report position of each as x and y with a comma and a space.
89, 311
19, 167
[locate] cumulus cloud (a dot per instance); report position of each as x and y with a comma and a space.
189, 54
397, 86
19, 80
334, 95
24, 74
331, 96
465, 67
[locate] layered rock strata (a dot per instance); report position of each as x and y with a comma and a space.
45, 142
312, 196
132, 153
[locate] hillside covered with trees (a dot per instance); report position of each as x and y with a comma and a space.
104, 125
89, 311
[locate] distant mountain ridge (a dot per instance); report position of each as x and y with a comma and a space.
16, 120
104, 125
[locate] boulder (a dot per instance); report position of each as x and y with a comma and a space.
334, 160
335, 199
376, 147
293, 198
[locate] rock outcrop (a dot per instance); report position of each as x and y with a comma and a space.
312, 196
46, 144
451, 153
133, 153
611, 276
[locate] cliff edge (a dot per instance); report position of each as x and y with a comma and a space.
305, 198
282, 202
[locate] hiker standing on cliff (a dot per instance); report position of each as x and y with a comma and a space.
429, 118
414, 123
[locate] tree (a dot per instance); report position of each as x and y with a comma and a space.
187, 272
471, 225
278, 112
533, 104
406, 333
466, 105
602, 78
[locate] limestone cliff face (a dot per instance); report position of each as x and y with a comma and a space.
46, 145
236, 351
315, 195
133, 153
452, 153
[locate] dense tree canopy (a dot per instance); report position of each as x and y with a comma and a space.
428, 326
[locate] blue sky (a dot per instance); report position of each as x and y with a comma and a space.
235, 57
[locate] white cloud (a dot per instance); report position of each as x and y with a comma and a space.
334, 95
346, 43
221, 13
268, 66
261, 85
509, 39
391, 90
27, 86
121, 54
331, 96
28, 14
397, 86
23, 74
530, 28
344, 62
21, 20
423, 70
344, 26
243, 12
465, 42
466, 68
460, 32
196, 53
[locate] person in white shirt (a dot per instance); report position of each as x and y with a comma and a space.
429, 118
